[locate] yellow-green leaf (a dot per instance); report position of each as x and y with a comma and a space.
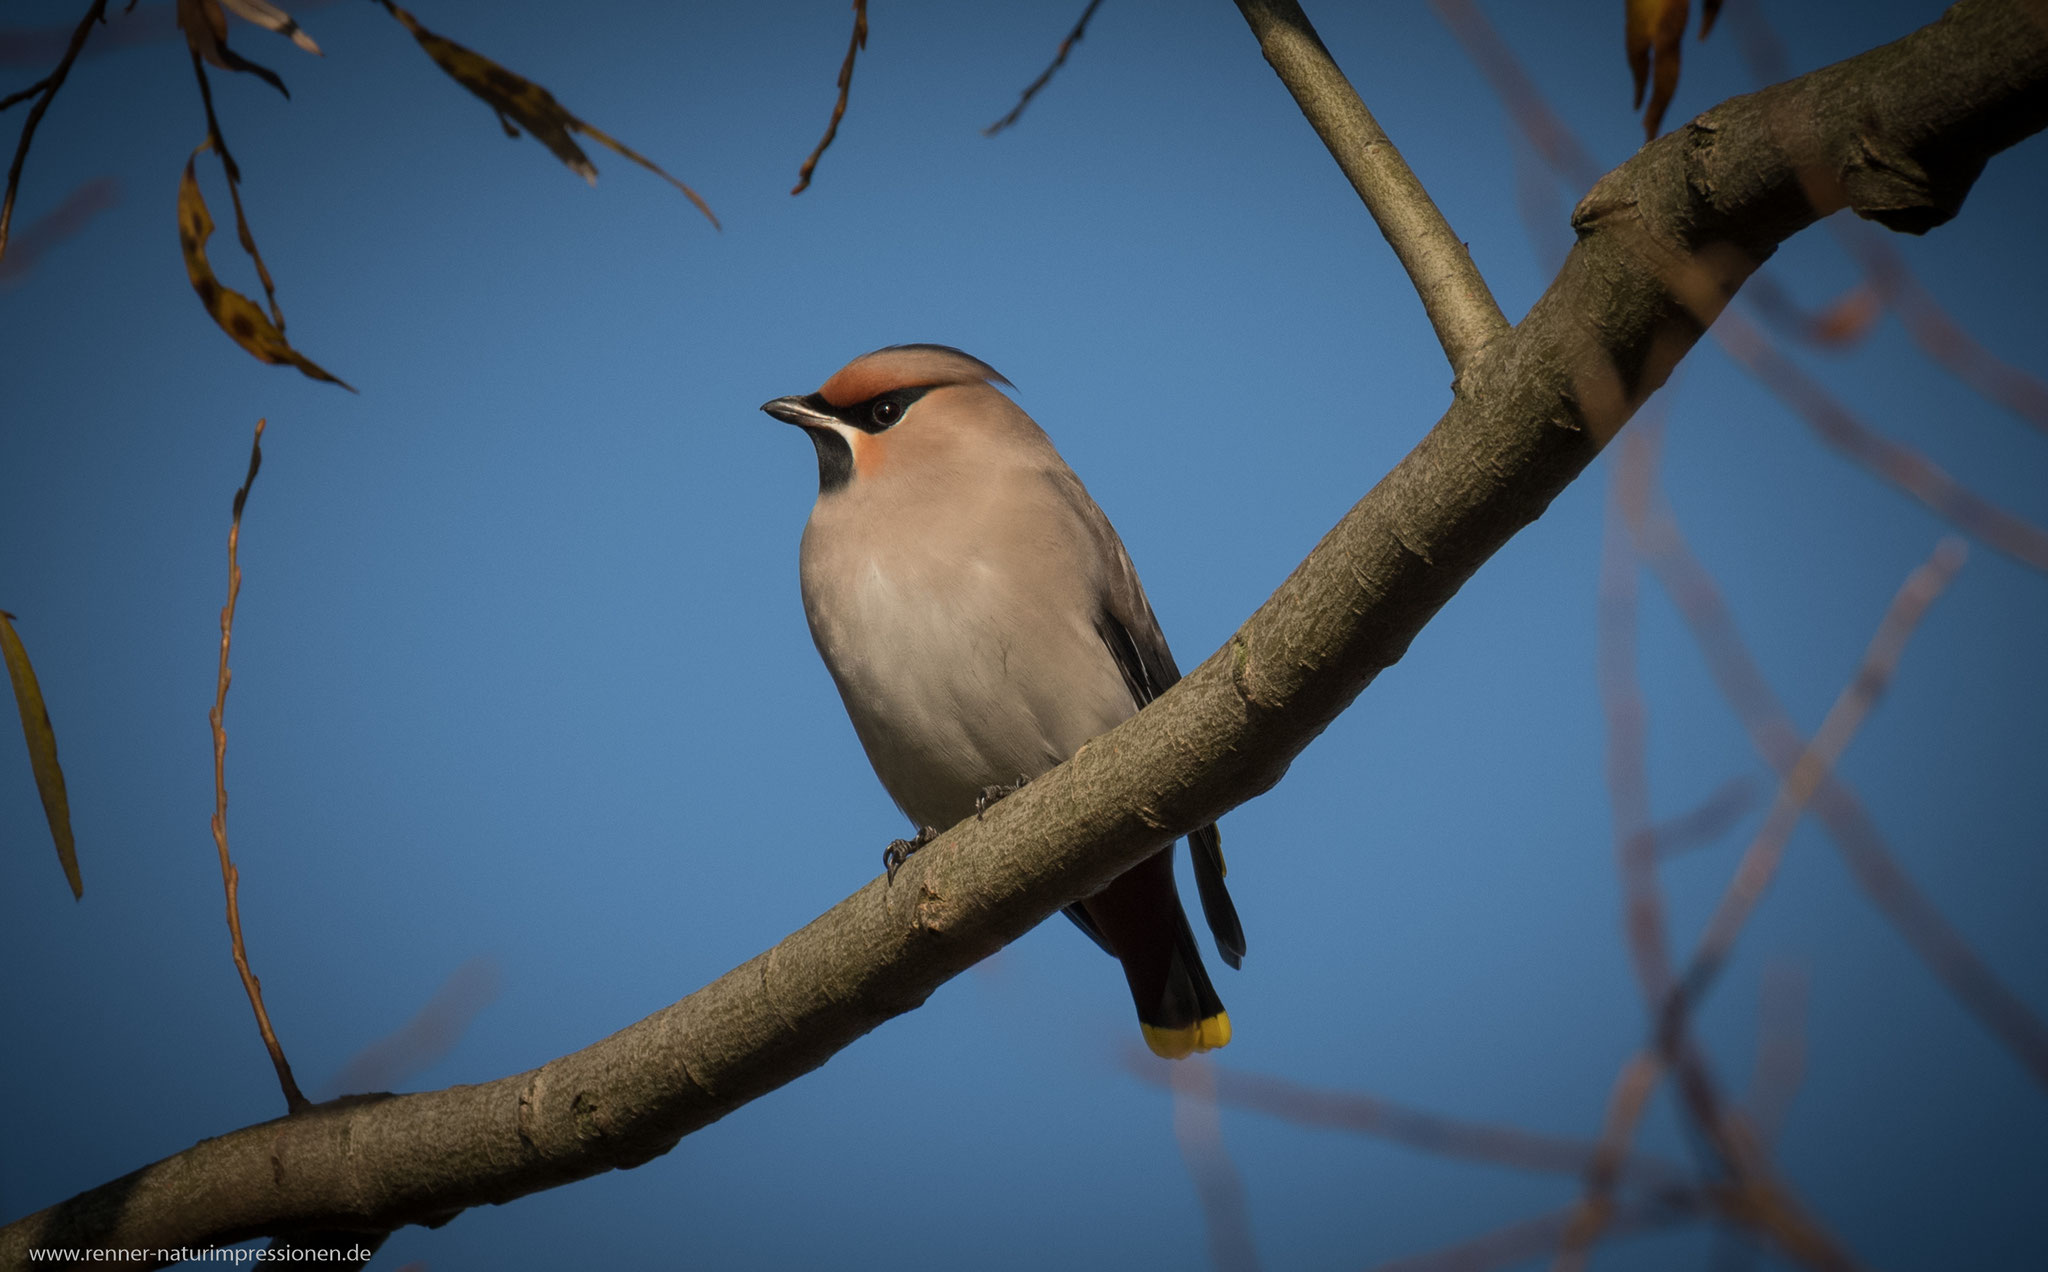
237, 314
518, 99
42, 750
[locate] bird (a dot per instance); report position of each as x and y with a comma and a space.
982, 621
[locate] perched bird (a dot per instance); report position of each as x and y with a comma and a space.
982, 620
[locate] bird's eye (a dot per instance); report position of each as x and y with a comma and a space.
886, 412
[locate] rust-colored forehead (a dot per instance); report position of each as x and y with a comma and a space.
905, 367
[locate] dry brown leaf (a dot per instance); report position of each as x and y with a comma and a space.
272, 18
42, 750
518, 100
237, 314
206, 31
1654, 35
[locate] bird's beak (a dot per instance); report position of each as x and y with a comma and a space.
804, 412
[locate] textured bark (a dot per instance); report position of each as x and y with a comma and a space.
1898, 133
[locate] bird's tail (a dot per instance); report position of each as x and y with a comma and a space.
1138, 918
1187, 1016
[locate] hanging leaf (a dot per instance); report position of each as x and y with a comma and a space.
206, 31
518, 100
1654, 36
237, 314
42, 750
272, 18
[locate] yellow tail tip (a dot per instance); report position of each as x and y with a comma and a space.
1206, 1034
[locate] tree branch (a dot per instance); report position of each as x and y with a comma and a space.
1453, 294
1526, 420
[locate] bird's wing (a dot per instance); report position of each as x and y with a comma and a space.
1131, 631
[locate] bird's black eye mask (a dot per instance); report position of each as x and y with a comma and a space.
878, 414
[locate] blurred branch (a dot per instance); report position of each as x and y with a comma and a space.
1889, 460
1844, 321
1627, 720
1456, 298
44, 91
1199, 1131
1759, 864
423, 1041
1519, 428
1742, 683
1707, 821
1735, 1156
58, 224
1356, 1113
1939, 335
853, 48
1059, 59
231, 878
1780, 1048
1898, 464
1531, 1239
1855, 836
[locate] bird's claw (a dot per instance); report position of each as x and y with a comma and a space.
990, 795
899, 851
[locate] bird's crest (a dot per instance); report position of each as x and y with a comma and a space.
906, 366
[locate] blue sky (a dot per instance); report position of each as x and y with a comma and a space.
521, 671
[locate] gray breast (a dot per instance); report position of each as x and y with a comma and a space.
966, 659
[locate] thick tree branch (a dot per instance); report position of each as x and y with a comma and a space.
1453, 294
1898, 132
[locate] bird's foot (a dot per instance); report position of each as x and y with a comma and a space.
899, 852
991, 795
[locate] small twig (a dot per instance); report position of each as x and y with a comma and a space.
294, 1099
17, 98
213, 133
1199, 1131
1059, 59
1453, 293
48, 87
853, 48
